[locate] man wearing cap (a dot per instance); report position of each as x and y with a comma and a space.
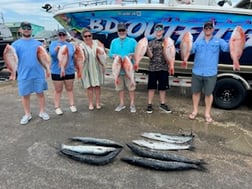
30, 73
62, 77
205, 68
123, 46
158, 76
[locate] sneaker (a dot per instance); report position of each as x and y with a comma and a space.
73, 109
165, 108
132, 108
149, 109
119, 108
58, 111
44, 116
25, 119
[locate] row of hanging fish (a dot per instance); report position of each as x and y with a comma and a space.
236, 44
150, 154
94, 151
11, 59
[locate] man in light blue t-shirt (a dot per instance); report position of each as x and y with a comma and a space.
204, 72
123, 46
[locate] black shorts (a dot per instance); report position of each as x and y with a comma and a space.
158, 80
56, 77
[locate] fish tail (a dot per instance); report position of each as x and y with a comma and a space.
202, 168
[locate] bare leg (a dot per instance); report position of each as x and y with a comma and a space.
151, 93
90, 98
69, 89
26, 104
58, 87
208, 104
98, 96
132, 97
41, 99
162, 95
195, 100
121, 97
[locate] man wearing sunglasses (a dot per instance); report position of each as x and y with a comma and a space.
30, 73
204, 71
124, 46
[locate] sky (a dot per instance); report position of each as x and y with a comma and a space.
31, 11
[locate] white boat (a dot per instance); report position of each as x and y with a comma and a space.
178, 17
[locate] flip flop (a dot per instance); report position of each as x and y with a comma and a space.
192, 116
208, 119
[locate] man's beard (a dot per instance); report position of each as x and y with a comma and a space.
26, 35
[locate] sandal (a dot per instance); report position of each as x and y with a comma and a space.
192, 116
208, 119
91, 108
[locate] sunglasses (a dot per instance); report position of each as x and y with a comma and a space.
158, 29
122, 30
208, 28
26, 28
62, 34
86, 36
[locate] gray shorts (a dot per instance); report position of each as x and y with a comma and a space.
124, 82
205, 84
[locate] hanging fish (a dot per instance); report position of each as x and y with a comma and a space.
185, 48
11, 60
169, 52
129, 70
140, 51
44, 59
63, 56
101, 55
79, 59
116, 68
236, 44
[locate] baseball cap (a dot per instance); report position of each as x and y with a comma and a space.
62, 31
25, 24
121, 26
159, 25
208, 24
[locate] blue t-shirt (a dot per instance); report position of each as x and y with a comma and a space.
207, 56
28, 64
55, 69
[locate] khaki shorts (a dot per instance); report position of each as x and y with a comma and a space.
125, 82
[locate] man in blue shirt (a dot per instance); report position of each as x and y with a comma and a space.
123, 46
31, 74
205, 68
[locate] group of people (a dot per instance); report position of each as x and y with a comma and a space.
32, 78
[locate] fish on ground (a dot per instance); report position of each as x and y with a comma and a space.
169, 52
97, 141
161, 165
236, 45
101, 56
154, 154
92, 159
129, 70
63, 56
156, 145
140, 51
88, 149
116, 68
185, 48
11, 60
178, 139
44, 59
79, 58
